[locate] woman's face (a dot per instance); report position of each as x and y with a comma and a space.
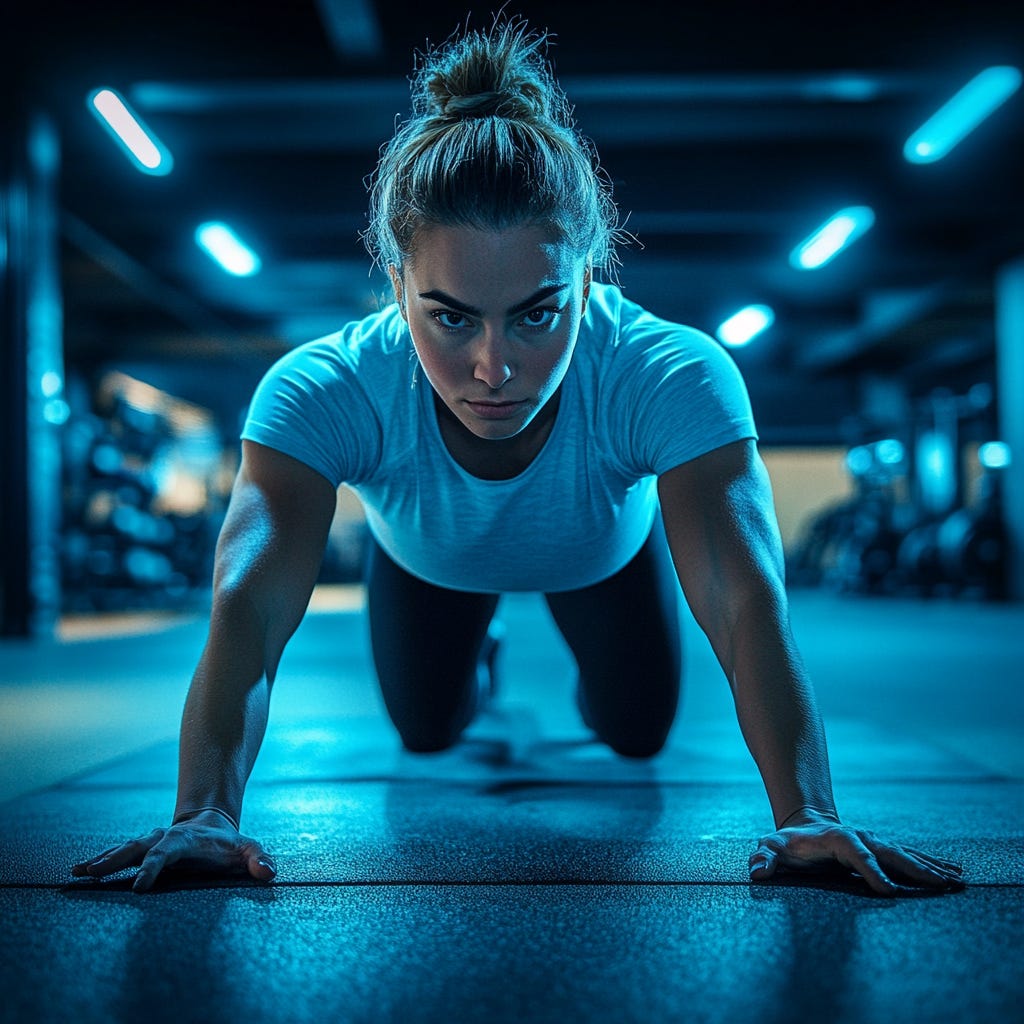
494, 317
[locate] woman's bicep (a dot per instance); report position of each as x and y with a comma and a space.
722, 530
276, 525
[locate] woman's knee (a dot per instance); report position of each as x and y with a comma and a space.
638, 745
420, 741
428, 727
634, 723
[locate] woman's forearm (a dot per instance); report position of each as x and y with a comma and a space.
226, 711
268, 557
777, 710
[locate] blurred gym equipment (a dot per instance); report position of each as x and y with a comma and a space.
926, 515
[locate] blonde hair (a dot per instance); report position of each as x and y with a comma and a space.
491, 144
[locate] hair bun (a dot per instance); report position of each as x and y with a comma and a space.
491, 144
501, 73
489, 104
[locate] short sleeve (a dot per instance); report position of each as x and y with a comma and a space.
312, 406
680, 395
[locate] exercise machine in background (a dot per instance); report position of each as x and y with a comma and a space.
925, 516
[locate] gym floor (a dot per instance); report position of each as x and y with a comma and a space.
528, 874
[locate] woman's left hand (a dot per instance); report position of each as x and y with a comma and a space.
814, 841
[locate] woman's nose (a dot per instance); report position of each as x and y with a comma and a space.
492, 364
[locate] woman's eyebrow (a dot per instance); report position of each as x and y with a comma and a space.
443, 297
538, 296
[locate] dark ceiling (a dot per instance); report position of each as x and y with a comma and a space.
730, 130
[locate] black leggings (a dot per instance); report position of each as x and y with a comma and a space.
623, 633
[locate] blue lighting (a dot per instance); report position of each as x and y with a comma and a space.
936, 471
859, 460
51, 384
142, 147
994, 455
839, 231
890, 452
982, 95
742, 327
227, 249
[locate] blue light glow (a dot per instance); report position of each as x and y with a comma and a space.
994, 455
51, 384
144, 149
56, 411
839, 231
982, 95
936, 471
859, 460
742, 327
227, 249
890, 452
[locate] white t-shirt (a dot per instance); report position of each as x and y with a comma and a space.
641, 396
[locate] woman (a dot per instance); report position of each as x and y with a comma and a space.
510, 424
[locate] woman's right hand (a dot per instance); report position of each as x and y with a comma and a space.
206, 842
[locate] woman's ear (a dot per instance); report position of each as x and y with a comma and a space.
398, 288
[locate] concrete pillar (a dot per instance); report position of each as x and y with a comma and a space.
32, 407
1010, 374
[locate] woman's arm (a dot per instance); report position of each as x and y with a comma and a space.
267, 561
268, 558
721, 527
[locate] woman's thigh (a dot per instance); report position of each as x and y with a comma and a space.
426, 641
624, 633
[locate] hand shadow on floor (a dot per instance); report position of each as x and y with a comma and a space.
168, 958
821, 942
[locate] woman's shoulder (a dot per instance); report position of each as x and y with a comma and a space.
365, 346
629, 330
327, 400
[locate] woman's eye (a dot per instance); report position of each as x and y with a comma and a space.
448, 320
541, 317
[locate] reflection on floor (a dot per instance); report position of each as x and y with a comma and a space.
529, 874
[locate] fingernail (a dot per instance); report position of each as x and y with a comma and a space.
264, 863
758, 865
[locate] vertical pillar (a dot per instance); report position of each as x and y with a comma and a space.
32, 403
1010, 374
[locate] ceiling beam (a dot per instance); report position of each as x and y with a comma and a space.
886, 316
147, 285
357, 113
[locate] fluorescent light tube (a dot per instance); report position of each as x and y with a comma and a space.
227, 249
839, 231
742, 327
143, 148
982, 95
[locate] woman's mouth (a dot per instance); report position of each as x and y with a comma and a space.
495, 410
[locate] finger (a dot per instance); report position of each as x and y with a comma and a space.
83, 867
910, 867
169, 850
939, 862
260, 864
951, 873
127, 855
763, 863
80, 869
853, 854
